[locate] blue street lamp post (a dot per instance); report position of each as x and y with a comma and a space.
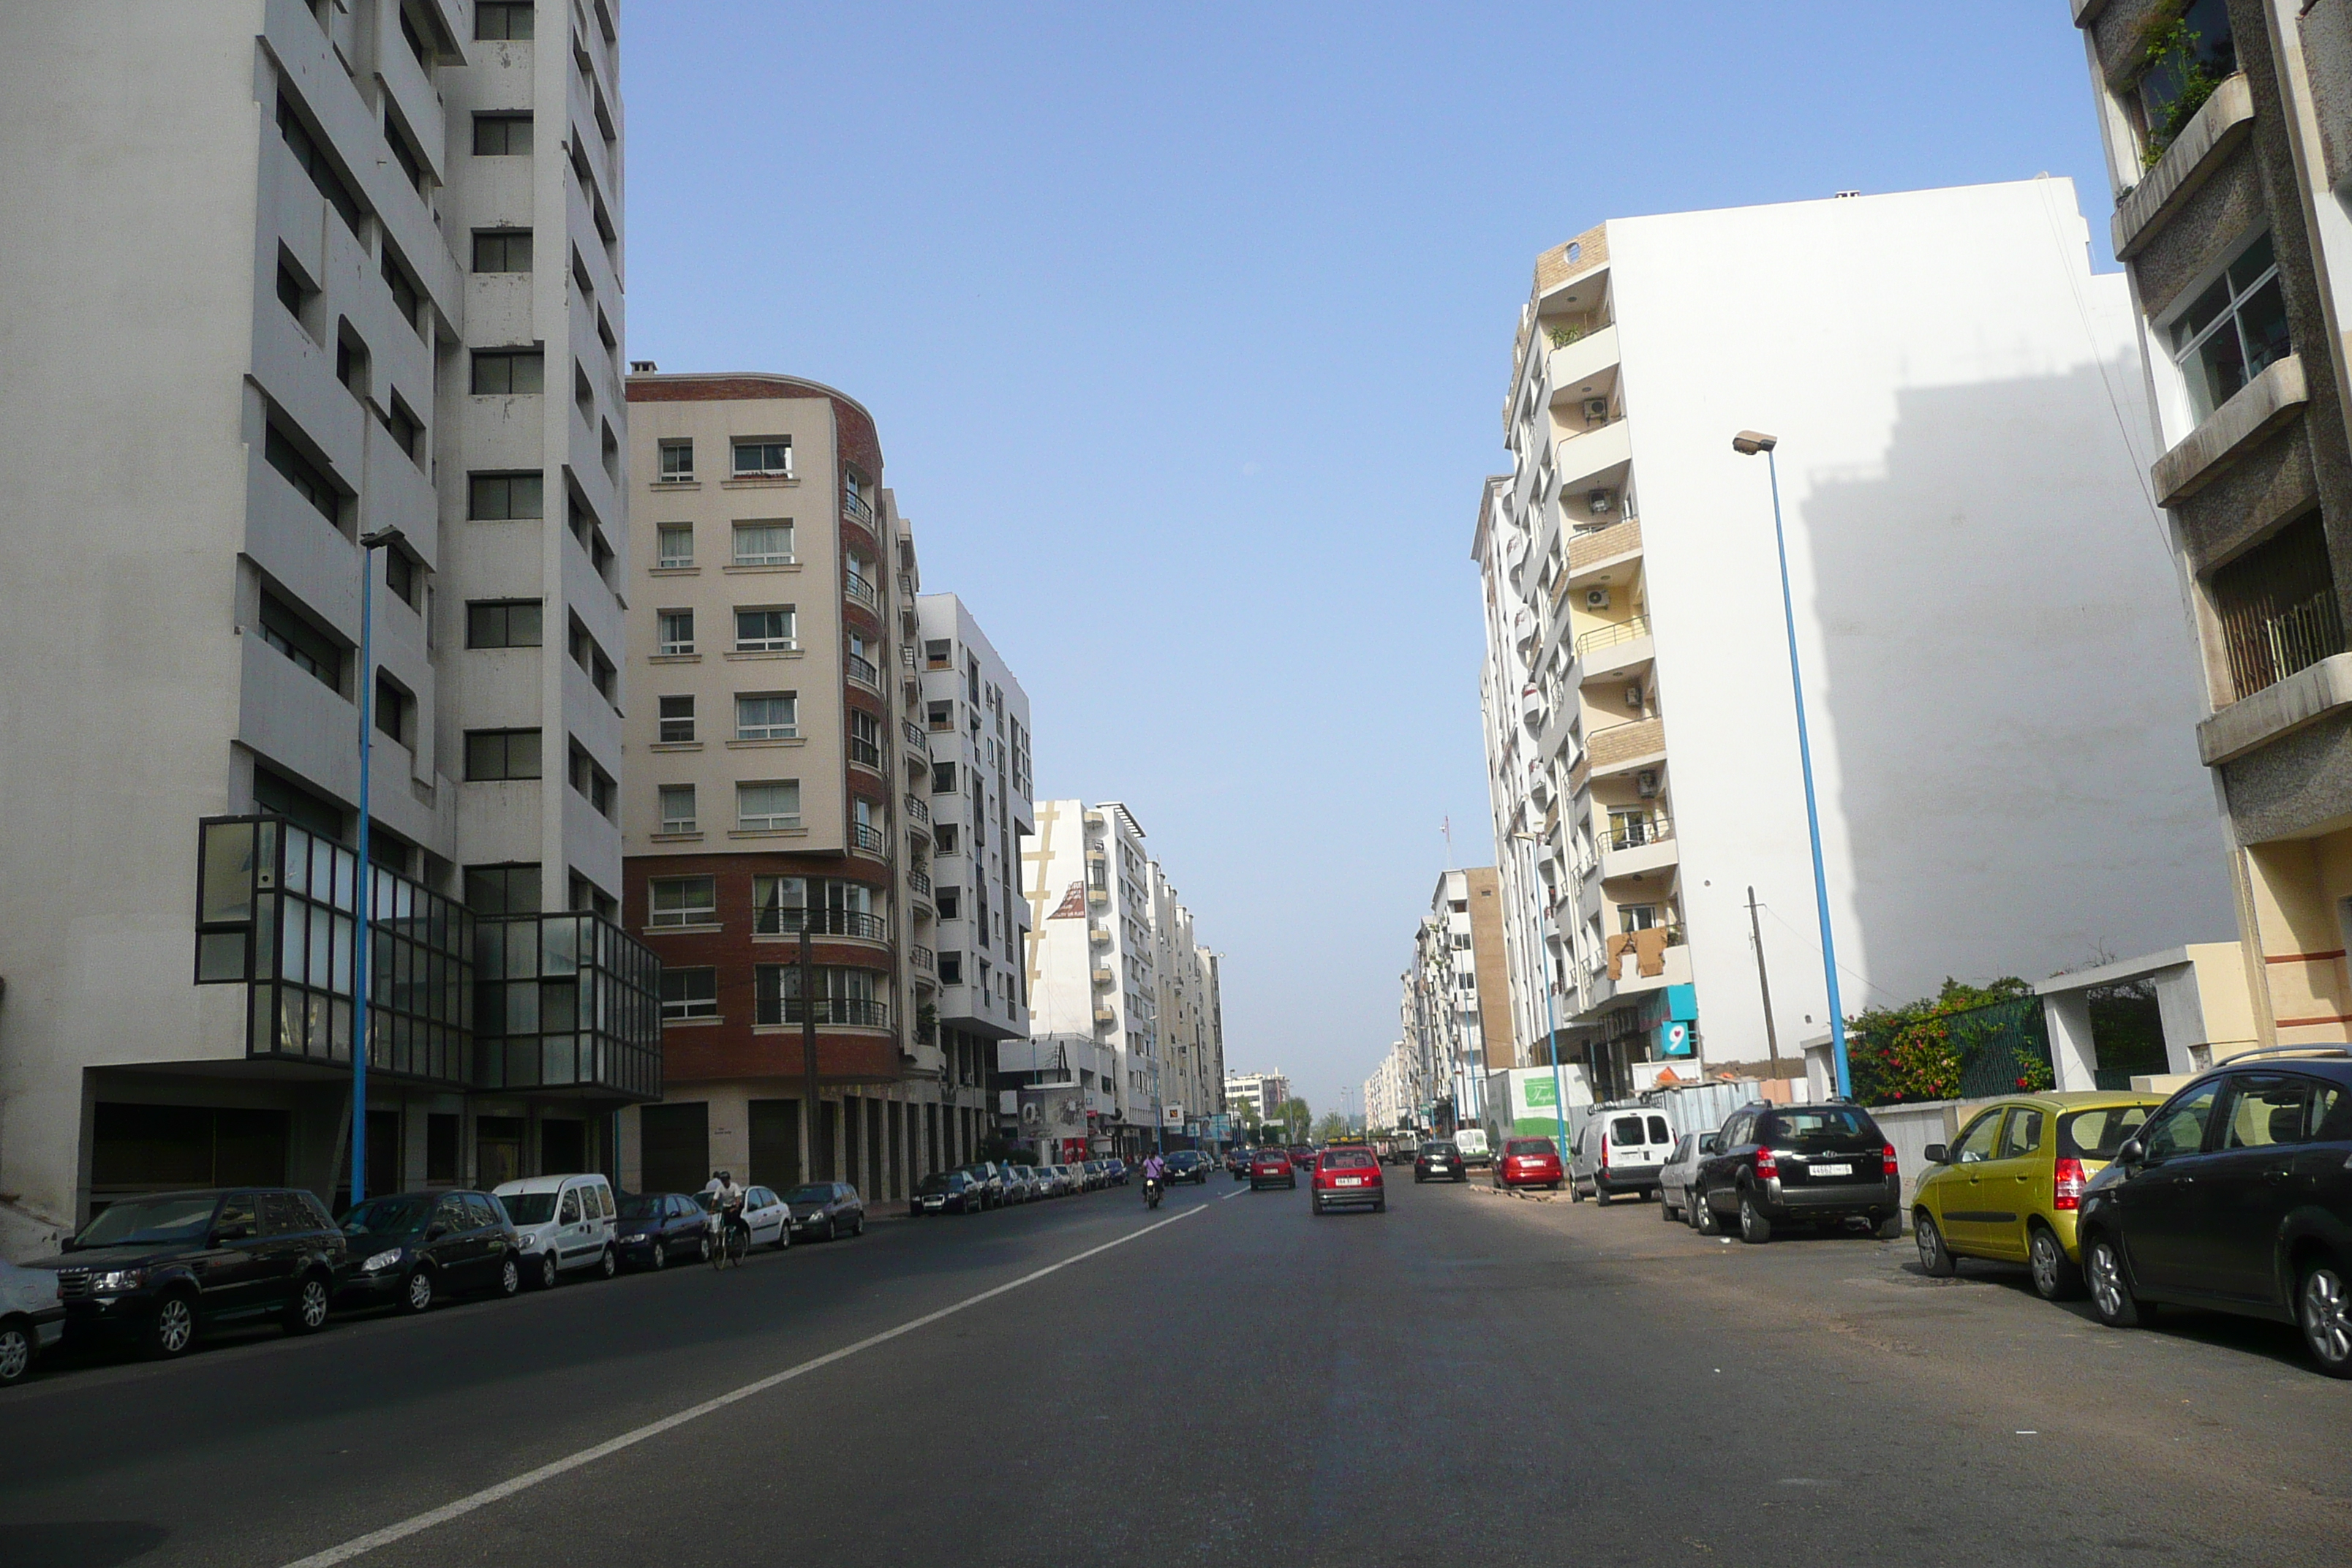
1748, 443
1552, 1028
382, 538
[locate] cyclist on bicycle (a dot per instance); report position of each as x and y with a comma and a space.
727, 1203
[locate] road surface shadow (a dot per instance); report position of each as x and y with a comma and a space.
78, 1543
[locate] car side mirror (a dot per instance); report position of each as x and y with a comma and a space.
1937, 1154
436, 1231
2133, 1153
1711, 1144
229, 1232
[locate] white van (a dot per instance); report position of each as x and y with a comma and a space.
563, 1223
1620, 1150
1471, 1142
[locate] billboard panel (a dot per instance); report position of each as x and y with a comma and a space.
1052, 1113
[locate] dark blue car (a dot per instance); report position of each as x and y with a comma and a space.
657, 1228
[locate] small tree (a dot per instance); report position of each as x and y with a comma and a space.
1332, 1126
1907, 1052
1296, 1117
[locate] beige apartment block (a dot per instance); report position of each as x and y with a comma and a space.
2232, 164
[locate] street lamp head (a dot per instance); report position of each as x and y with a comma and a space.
1748, 443
381, 536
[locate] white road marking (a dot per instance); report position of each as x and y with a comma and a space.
463, 1506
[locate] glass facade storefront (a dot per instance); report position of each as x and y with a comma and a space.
566, 1001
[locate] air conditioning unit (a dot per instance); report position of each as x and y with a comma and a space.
1596, 598
1596, 409
1646, 781
1634, 697
1599, 502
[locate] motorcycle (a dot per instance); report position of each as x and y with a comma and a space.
1151, 1186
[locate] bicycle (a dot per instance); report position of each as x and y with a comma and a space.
734, 1236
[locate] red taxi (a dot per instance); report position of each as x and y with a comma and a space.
1529, 1162
1348, 1178
1268, 1166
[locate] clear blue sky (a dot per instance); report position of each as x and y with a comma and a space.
1186, 328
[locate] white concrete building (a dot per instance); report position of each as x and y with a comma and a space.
310, 273
1454, 1006
1256, 1095
1996, 716
1387, 1095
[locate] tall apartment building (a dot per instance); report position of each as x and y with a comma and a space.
1255, 1095
780, 837
304, 283
1388, 1093
2229, 147
1995, 714
975, 727
1456, 1001
1109, 946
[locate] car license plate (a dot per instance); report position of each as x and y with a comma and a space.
1832, 1170
1351, 1181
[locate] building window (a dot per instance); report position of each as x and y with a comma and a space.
312, 157
495, 754
765, 458
938, 654
411, 162
768, 807
2277, 607
500, 498
501, 135
674, 544
676, 720
2234, 331
501, 371
591, 781
950, 903
943, 838
677, 461
502, 250
939, 715
764, 543
394, 706
309, 480
689, 993
677, 808
284, 628
844, 996
951, 969
406, 430
508, 889
400, 575
683, 900
944, 778
764, 631
407, 298
502, 623
500, 21
771, 716
294, 291
676, 631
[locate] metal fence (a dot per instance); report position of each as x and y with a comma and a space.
2001, 1045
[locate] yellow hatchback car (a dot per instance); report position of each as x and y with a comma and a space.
2010, 1188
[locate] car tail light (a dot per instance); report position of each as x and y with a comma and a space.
1889, 1162
1604, 1153
2071, 1182
1767, 1166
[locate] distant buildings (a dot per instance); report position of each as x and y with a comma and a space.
1996, 688
1252, 1096
1388, 1098
1455, 1001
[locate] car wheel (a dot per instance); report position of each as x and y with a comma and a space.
171, 1329
1936, 1259
2324, 1308
16, 1353
1315, 1207
858, 1226
1416, 1178
829, 1229
307, 1312
2111, 1297
702, 1248
510, 1277
416, 1295
547, 1275
1708, 1222
1665, 1209
1380, 1205
610, 1264
661, 1256
1575, 1191
1602, 1195
784, 1232
1754, 1228
2055, 1278
1691, 1207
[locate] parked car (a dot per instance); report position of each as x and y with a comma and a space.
2236, 1197
32, 1318
1118, 1171
1438, 1161
991, 1182
1303, 1156
2011, 1187
1476, 1152
1273, 1165
1675, 1177
765, 1215
824, 1210
1020, 1186
1348, 1178
654, 1228
1618, 1153
563, 1224
1778, 1165
409, 1247
1051, 1182
1097, 1174
1238, 1162
1189, 1166
1529, 1162
160, 1270
945, 1192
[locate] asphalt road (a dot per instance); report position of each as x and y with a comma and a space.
1467, 1378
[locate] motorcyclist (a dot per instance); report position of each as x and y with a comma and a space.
727, 1203
1155, 1168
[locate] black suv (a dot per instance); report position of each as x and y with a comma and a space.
2236, 1197
159, 1271
1188, 1165
1798, 1165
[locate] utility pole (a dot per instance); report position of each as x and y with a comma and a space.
808, 1048
1755, 935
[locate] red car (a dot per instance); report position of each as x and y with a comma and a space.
1268, 1166
1529, 1162
1345, 1177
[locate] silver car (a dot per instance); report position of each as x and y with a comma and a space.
1675, 1176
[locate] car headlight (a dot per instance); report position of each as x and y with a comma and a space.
388, 1259
120, 1279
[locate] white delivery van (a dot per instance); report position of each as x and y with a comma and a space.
1471, 1142
1619, 1150
564, 1222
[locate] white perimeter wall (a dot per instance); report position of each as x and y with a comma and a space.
1999, 671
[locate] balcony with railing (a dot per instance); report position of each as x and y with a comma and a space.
1614, 646
867, 837
846, 1011
920, 881
918, 811
860, 592
856, 508
785, 920
1638, 846
862, 670
917, 737
1647, 960
922, 959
